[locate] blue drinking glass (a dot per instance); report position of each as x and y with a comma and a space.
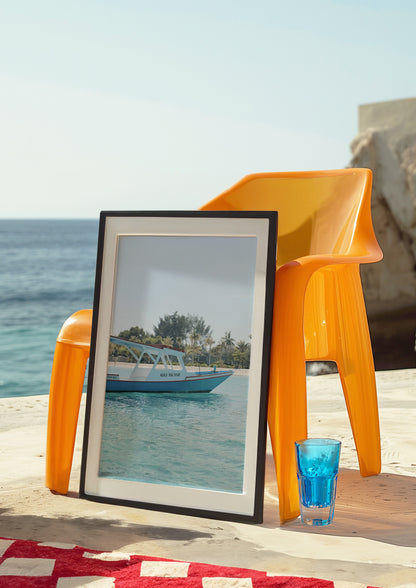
317, 463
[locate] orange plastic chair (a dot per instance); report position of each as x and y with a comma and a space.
325, 232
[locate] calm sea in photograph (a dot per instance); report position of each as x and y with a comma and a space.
47, 272
190, 440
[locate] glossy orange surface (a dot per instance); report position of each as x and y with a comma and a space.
325, 232
68, 372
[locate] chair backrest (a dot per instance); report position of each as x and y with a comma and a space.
320, 212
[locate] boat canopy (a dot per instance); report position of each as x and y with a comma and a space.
158, 353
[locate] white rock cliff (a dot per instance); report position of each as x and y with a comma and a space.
386, 144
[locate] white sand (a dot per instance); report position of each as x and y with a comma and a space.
372, 540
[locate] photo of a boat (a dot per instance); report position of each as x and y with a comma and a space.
161, 368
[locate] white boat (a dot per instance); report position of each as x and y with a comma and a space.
161, 368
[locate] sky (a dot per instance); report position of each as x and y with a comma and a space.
162, 104
212, 277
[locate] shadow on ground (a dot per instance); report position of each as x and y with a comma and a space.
88, 531
380, 508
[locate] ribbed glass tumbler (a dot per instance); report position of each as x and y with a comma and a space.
317, 463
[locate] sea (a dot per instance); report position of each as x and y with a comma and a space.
177, 439
47, 272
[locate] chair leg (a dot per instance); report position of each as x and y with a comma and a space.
287, 408
356, 369
68, 372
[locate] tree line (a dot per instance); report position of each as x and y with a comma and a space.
191, 334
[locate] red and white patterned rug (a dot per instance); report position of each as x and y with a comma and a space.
46, 565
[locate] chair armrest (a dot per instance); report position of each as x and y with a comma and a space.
316, 261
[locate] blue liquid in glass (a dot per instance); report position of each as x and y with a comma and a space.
317, 470
318, 491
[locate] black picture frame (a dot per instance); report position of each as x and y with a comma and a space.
154, 437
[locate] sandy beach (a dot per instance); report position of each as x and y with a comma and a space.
372, 540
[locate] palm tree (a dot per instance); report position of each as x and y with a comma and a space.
196, 324
227, 340
241, 354
209, 341
227, 344
194, 347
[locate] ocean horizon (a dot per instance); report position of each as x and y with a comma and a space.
47, 272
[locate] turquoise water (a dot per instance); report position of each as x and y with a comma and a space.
191, 440
47, 272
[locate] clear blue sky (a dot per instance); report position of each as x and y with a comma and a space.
163, 104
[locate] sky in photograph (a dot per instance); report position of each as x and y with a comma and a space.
212, 277
136, 105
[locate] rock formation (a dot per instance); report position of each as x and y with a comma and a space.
386, 144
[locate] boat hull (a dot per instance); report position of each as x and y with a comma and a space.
191, 384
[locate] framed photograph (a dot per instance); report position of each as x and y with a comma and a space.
178, 373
